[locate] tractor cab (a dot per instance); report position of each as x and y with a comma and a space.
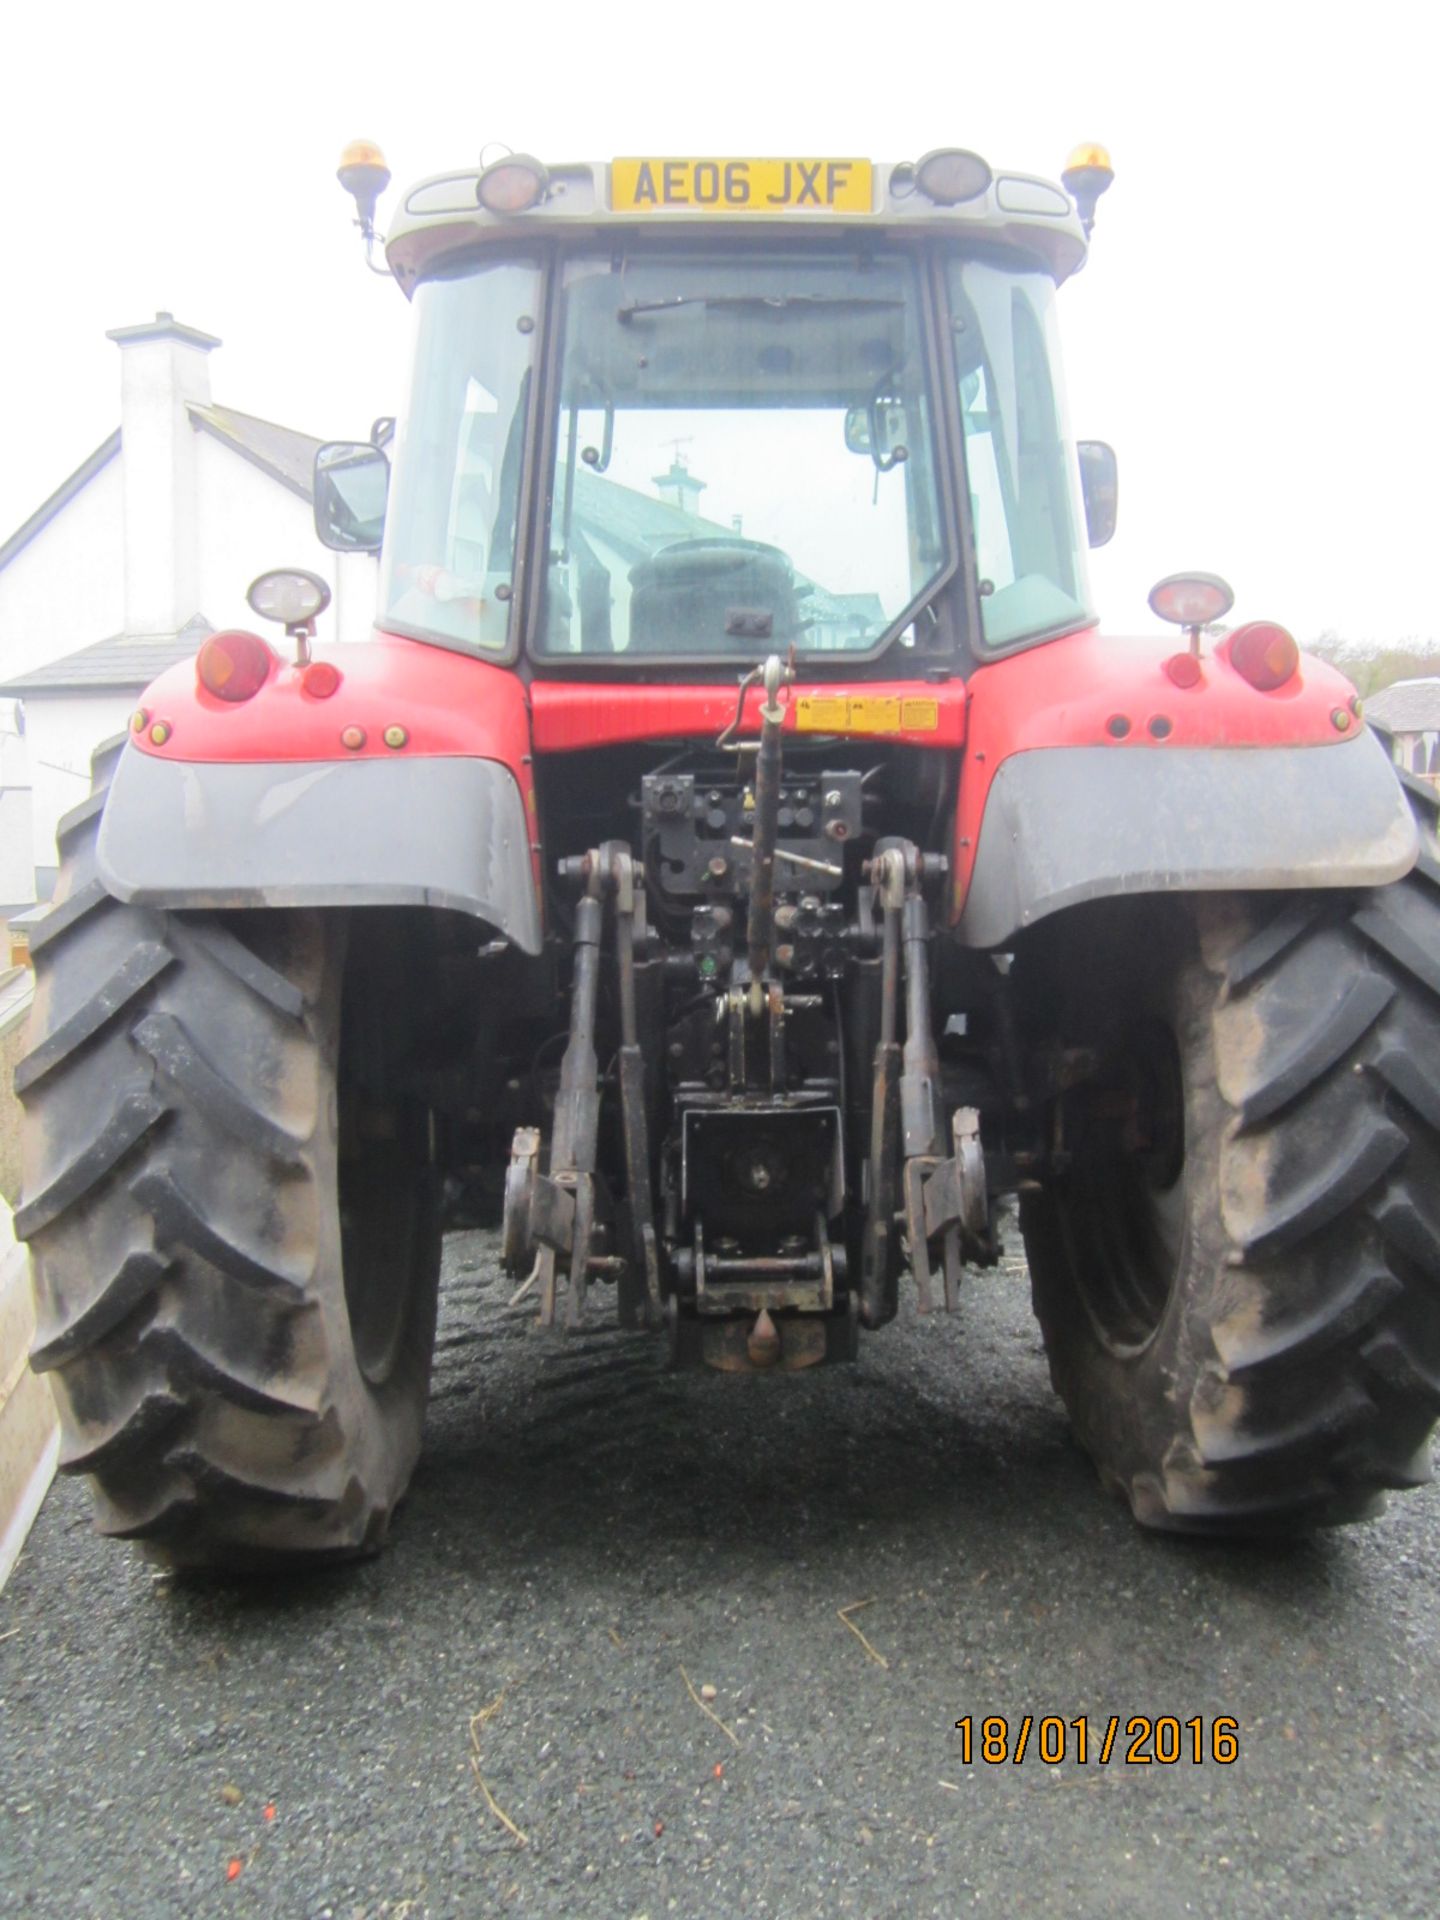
674, 415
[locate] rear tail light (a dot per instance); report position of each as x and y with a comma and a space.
320, 679
234, 666
1184, 670
1264, 654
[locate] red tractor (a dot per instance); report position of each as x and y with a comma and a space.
736, 865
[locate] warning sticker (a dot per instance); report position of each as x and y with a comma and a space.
817, 713
876, 715
865, 713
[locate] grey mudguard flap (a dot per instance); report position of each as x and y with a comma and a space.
423, 832
1066, 824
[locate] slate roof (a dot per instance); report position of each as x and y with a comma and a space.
121, 664
1409, 706
61, 497
635, 523
285, 454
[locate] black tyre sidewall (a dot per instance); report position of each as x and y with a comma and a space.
1128, 1401
387, 1418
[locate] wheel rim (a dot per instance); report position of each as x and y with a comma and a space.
1127, 1221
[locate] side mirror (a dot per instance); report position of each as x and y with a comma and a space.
876, 429
1100, 484
352, 484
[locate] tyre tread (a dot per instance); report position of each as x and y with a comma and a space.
134, 1116
142, 965
68, 913
203, 1086
242, 963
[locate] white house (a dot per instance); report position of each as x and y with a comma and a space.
1409, 711
146, 548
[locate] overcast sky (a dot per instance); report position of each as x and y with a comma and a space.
1256, 332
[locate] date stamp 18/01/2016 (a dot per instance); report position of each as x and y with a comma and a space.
1141, 1740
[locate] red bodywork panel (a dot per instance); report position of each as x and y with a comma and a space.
1066, 694
571, 715
447, 703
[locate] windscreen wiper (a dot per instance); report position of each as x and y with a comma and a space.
775, 303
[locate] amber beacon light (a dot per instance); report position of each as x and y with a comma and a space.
364, 176
1088, 173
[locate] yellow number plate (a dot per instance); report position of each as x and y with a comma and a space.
741, 186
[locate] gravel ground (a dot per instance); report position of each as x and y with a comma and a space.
586, 1530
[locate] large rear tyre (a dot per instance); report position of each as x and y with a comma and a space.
232, 1220
1238, 1278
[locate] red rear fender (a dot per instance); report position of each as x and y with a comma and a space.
446, 703
1089, 770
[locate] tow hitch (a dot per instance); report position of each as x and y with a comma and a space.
733, 1235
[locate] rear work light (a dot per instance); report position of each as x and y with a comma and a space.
1264, 654
512, 185
234, 666
951, 175
1191, 599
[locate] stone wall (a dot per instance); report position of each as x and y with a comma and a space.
29, 1435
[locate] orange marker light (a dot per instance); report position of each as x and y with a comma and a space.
353, 738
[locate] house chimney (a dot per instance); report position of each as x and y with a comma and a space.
679, 486
163, 370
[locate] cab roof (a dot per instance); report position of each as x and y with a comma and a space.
442, 216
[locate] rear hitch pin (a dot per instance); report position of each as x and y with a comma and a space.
768, 764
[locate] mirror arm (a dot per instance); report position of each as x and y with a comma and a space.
884, 462
568, 509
